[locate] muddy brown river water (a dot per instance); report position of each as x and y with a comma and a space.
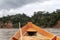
5, 34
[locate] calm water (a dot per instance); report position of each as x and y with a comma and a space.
5, 34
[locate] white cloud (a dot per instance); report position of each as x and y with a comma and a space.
28, 9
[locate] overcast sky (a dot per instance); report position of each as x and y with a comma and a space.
12, 7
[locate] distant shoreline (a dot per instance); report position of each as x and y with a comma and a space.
18, 28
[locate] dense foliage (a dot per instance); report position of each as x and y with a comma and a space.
40, 18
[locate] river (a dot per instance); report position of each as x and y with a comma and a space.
5, 34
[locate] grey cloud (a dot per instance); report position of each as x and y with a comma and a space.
7, 4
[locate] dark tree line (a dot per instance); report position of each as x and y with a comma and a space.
40, 18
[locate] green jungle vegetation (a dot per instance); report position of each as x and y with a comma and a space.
40, 18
